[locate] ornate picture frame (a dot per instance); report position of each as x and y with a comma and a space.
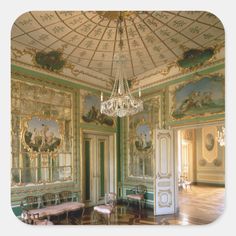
209, 144
140, 140
42, 135
200, 97
90, 110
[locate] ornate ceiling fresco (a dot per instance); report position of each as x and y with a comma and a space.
87, 41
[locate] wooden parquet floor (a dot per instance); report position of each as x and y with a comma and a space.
200, 205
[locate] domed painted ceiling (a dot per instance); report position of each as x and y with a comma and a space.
88, 41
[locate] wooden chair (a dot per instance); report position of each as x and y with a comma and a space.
49, 199
29, 202
181, 182
107, 209
187, 184
184, 183
34, 219
66, 196
138, 194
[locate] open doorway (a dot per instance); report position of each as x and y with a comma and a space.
201, 172
186, 158
201, 158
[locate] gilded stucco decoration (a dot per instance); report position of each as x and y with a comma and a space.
202, 162
209, 144
195, 57
51, 60
187, 134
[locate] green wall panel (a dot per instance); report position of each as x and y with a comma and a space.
87, 169
118, 150
102, 174
17, 211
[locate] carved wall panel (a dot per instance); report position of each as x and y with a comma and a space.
140, 139
165, 198
209, 143
165, 156
42, 149
210, 156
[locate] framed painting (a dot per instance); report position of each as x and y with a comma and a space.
90, 110
203, 96
41, 135
143, 141
209, 143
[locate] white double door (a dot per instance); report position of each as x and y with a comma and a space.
98, 163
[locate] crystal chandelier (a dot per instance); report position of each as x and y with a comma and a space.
121, 102
221, 137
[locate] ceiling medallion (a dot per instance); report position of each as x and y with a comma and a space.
121, 102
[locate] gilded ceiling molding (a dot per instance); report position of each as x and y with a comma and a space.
56, 75
167, 69
21, 75
88, 38
17, 54
175, 76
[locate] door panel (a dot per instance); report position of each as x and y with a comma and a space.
87, 144
96, 169
164, 184
102, 167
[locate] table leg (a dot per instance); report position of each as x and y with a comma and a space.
67, 217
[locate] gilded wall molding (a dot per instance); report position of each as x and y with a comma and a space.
136, 151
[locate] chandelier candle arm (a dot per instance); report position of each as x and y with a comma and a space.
101, 96
139, 92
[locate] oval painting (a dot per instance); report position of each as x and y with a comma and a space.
209, 142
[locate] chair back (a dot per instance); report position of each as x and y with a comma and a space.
140, 189
49, 199
29, 202
66, 196
110, 199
